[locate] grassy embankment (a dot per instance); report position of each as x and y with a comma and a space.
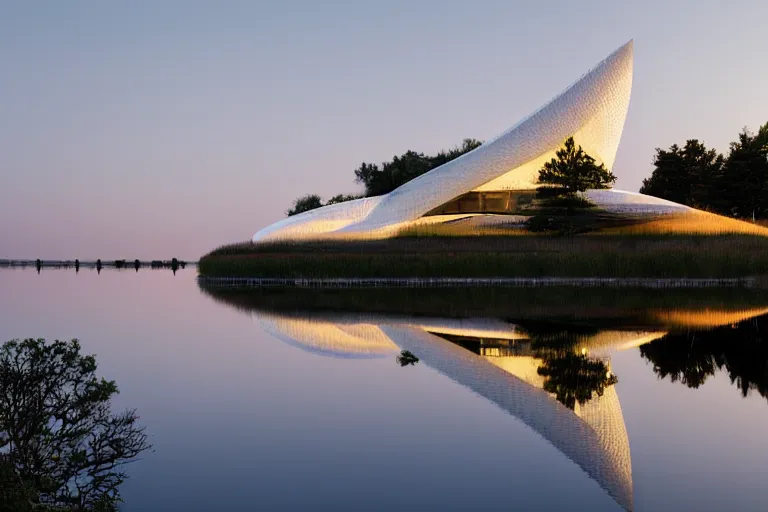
596, 244
590, 255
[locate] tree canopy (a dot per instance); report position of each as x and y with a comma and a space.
683, 175
572, 377
735, 185
691, 357
575, 378
304, 204
694, 175
402, 169
62, 447
573, 170
378, 180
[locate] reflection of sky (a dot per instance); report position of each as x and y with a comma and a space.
153, 129
240, 419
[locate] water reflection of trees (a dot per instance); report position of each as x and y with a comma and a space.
406, 358
570, 375
575, 378
690, 357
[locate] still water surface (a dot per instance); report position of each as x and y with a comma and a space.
283, 404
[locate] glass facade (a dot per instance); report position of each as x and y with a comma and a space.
508, 202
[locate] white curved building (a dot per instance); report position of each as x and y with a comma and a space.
592, 111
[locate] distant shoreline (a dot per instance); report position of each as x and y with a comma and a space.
22, 263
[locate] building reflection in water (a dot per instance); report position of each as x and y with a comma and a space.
553, 376
496, 360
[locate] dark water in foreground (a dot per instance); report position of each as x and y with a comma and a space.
280, 404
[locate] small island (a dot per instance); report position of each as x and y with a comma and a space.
536, 202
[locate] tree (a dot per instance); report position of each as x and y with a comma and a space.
58, 436
15, 496
305, 203
736, 185
342, 198
402, 169
691, 357
406, 357
366, 174
575, 378
382, 180
744, 187
687, 175
573, 170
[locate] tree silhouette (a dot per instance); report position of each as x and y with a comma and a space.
304, 204
404, 168
743, 191
383, 179
342, 198
685, 175
58, 437
736, 185
682, 358
575, 377
573, 170
406, 357
690, 357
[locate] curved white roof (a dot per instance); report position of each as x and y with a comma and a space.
592, 110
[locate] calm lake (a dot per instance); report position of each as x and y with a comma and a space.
521, 399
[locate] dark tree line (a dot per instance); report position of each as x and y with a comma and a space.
735, 185
691, 357
402, 169
312, 201
384, 178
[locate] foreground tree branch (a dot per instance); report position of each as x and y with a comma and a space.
62, 447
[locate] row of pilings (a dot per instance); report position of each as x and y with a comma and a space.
174, 264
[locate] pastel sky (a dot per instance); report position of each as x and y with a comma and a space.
149, 129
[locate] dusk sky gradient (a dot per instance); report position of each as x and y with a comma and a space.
158, 129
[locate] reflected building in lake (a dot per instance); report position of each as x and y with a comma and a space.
548, 367
496, 360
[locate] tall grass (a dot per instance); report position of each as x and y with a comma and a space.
696, 244
581, 256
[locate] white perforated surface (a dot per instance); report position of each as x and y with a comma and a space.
592, 110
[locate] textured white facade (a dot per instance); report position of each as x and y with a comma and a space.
592, 110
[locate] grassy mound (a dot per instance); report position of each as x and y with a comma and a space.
591, 255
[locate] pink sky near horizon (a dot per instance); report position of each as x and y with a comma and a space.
152, 131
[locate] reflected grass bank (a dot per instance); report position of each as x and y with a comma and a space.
630, 307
